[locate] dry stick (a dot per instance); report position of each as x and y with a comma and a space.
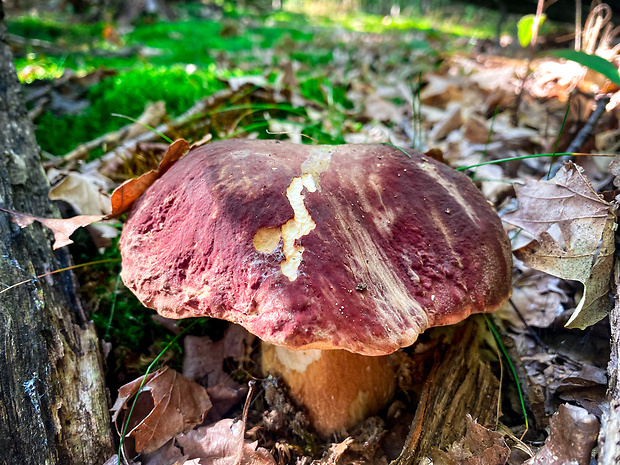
82, 150
44, 45
113, 138
244, 419
582, 135
148, 136
72, 267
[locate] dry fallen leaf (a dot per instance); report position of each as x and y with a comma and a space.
571, 440
175, 404
379, 109
475, 129
540, 298
551, 376
62, 228
441, 90
168, 454
205, 362
479, 446
122, 199
83, 193
451, 121
223, 443
128, 192
584, 252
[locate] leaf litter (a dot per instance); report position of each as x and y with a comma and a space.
168, 404
466, 112
584, 250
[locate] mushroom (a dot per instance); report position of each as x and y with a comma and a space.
334, 256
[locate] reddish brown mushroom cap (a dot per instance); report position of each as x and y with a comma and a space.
355, 247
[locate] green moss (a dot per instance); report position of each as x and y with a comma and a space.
215, 50
127, 94
54, 29
184, 42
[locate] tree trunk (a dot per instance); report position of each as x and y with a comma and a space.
53, 405
609, 439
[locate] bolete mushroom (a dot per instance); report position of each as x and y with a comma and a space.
335, 256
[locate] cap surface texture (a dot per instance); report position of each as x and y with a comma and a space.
355, 247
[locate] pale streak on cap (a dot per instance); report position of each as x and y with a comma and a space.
384, 245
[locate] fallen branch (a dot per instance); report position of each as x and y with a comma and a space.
44, 45
127, 148
82, 150
152, 114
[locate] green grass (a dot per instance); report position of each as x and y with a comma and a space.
454, 19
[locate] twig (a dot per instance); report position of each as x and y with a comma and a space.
199, 108
36, 43
582, 136
82, 150
40, 107
149, 136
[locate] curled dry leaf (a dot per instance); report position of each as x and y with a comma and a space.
122, 199
223, 443
552, 376
83, 193
128, 192
169, 404
585, 250
62, 228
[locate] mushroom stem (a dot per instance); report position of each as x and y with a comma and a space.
338, 388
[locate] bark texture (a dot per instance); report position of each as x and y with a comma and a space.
53, 405
609, 438
459, 384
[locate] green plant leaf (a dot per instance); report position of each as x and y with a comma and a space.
525, 29
593, 62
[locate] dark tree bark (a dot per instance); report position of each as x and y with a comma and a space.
53, 405
609, 439
459, 384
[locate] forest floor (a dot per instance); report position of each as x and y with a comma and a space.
493, 112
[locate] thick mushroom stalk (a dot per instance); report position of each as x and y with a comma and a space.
338, 388
357, 247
